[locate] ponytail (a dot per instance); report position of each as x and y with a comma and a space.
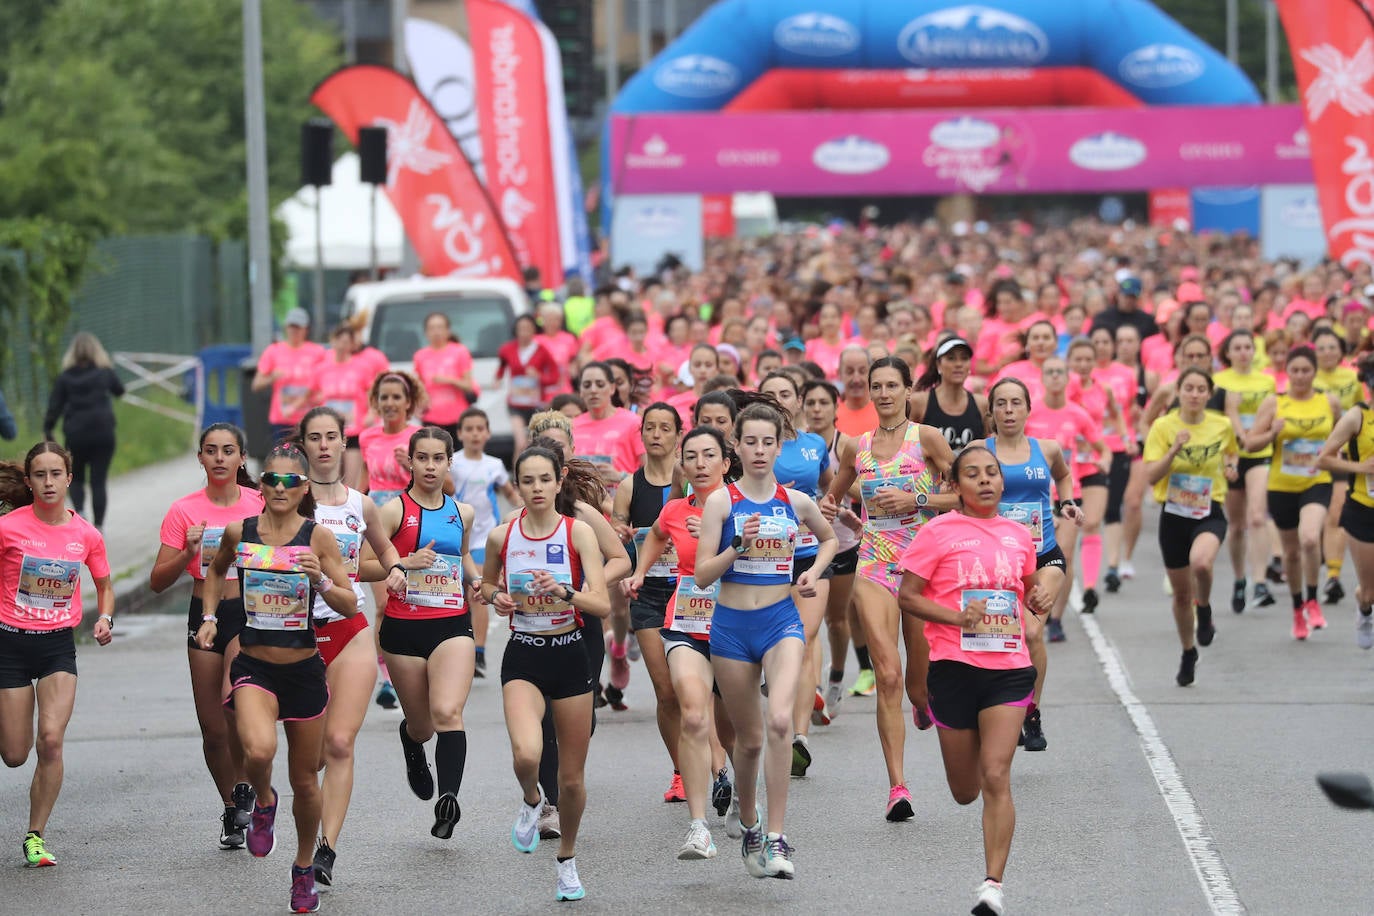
581, 480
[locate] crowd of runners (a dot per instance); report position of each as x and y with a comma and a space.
933, 442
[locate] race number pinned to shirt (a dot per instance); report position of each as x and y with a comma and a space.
770, 552
274, 600
209, 546
999, 629
879, 518
46, 584
1189, 496
693, 607
1031, 516
536, 613
345, 408
350, 545
524, 391
439, 585
1298, 457
665, 567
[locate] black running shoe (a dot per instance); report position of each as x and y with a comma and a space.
1033, 734
324, 864
1333, 592
615, 697
1187, 667
1263, 597
599, 698
417, 767
244, 798
480, 669
1206, 630
231, 835
722, 792
1112, 580
1274, 571
1089, 600
447, 814
1238, 596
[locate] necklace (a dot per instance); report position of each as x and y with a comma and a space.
327, 483
893, 429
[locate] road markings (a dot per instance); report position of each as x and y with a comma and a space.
1208, 865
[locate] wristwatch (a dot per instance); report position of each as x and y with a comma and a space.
568, 594
210, 618
737, 543
325, 585
400, 567
108, 620
921, 500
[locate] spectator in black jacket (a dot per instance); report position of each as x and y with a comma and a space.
82, 397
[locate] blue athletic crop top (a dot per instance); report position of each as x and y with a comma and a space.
799, 467
1026, 496
768, 561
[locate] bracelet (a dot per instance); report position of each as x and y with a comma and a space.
209, 618
400, 567
325, 584
108, 619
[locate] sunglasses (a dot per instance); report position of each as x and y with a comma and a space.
272, 480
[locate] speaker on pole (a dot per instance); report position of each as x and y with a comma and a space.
372, 153
317, 152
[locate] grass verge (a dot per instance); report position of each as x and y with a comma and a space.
142, 436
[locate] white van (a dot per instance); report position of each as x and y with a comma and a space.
482, 313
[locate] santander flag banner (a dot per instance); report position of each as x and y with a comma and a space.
447, 214
441, 65
1333, 55
512, 106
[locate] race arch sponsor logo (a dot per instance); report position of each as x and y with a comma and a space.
655, 154
972, 34
1107, 152
1161, 66
697, 76
656, 221
1303, 212
1300, 147
75, 547
1218, 151
851, 155
817, 35
748, 158
965, 133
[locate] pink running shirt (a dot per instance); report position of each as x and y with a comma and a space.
196, 508
40, 569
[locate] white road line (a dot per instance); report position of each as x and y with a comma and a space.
1208, 865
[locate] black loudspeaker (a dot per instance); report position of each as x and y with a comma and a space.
317, 152
372, 153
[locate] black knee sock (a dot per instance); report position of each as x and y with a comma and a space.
450, 757
1297, 601
548, 761
1311, 593
861, 653
836, 675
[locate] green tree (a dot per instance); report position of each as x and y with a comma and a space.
1208, 22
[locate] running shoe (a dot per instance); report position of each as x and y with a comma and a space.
447, 814
262, 830
1089, 601
1364, 630
1168, 586
386, 696
989, 900
1315, 618
616, 698
324, 864
1206, 630
524, 835
1300, 630
1127, 570
620, 665
231, 835
550, 828
569, 884
777, 857
675, 793
632, 650
1112, 580
36, 854
417, 767
1238, 596
801, 755
243, 798
819, 714
833, 695
599, 698
304, 897
1054, 630
734, 829
722, 793
1076, 596
865, 685
698, 844
1033, 733
1187, 668
751, 847
1332, 591
899, 804
479, 668
1263, 597
1274, 571
920, 716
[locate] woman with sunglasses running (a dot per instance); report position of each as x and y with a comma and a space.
537, 576
190, 535
284, 560
896, 466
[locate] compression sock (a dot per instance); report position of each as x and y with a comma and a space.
1333, 567
548, 761
861, 653
836, 675
1091, 555
1311, 593
1297, 601
450, 757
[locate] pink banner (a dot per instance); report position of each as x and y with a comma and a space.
989, 151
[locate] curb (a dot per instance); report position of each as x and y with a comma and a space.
133, 596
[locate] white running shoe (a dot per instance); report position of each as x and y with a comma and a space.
1168, 586
632, 650
569, 884
989, 900
525, 834
1364, 630
777, 857
751, 848
732, 825
1076, 597
833, 696
698, 844
1126, 570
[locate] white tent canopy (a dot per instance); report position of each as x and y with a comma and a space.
345, 223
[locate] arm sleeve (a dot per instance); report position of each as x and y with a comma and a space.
116, 386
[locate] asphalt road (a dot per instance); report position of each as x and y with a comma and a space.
1220, 789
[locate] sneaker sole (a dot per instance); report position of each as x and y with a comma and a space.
323, 877
783, 874
301, 909
574, 895
900, 811
692, 854
237, 841
444, 819
270, 849
46, 863
548, 833
801, 760
515, 841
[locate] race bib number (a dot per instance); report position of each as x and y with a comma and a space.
47, 585
440, 585
878, 518
1299, 457
345, 409
536, 613
770, 553
524, 391
1247, 421
806, 539
605, 465
999, 629
1189, 496
294, 393
350, 545
693, 607
1030, 516
274, 600
665, 567
209, 546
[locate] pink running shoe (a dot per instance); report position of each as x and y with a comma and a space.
620, 665
1299, 624
262, 834
899, 804
1315, 619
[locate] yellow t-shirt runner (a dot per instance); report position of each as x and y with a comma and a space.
1306, 424
1253, 387
1359, 449
1343, 382
1197, 477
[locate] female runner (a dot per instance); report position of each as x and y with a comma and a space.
969, 574
803, 465
1042, 342
535, 574
445, 367
897, 466
1102, 405
1348, 450
718, 411
637, 504
1190, 456
190, 536
942, 401
532, 370
1033, 470
1119, 367
1295, 426
756, 627
1334, 377
687, 625
426, 630
350, 664
39, 614
284, 560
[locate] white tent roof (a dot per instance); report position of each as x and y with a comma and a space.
345, 223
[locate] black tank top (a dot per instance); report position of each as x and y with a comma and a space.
1142, 397
958, 430
646, 500
302, 637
